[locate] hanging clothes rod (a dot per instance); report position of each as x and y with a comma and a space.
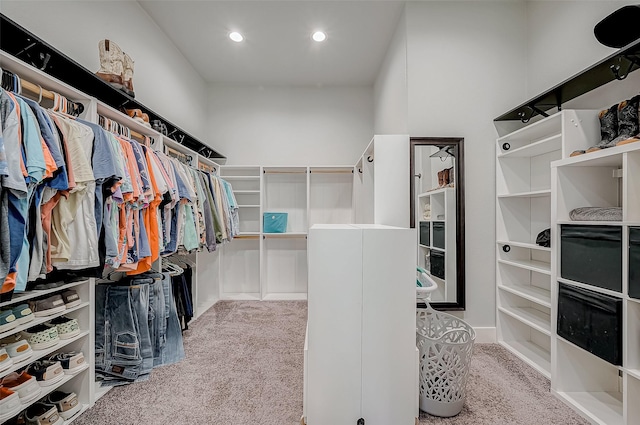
182, 157
284, 172
331, 171
41, 92
105, 121
206, 167
246, 237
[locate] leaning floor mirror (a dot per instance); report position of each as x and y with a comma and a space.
437, 213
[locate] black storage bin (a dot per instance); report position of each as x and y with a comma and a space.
437, 264
634, 262
592, 321
438, 234
592, 255
424, 233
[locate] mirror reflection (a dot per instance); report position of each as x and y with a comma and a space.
435, 212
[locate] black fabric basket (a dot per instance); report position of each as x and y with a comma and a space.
634, 262
424, 233
437, 264
438, 235
592, 321
592, 255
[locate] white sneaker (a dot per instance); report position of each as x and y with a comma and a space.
24, 384
10, 404
5, 360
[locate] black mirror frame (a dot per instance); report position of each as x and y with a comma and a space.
457, 142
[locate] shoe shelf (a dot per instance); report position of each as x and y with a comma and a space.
531, 317
524, 245
532, 265
45, 391
533, 132
39, 354
21, 297
529, 194
532, 354
40, 320
532, 293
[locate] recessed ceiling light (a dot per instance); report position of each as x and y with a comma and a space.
319, 36
236, 36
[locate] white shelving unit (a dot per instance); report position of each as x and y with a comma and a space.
273, 266
83, 382
443, 213
523, 209
602, 392
538, 184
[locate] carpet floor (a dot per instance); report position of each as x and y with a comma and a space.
244, 365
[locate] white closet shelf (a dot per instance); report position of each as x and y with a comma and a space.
531, 194
285, 235
39, 320
590, 287
39, 354
633, 300
535, 131
435, 191
240, 177
532, 354
531, 317
241, 296
248, 206
245, 192
592, 223
21, 297
437, 249
603, 408
550, 144
610, 157
634, 373
524, 245
425, 246
536, 266
532, 293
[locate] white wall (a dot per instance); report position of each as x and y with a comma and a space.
391, 96
163, 78
561, 43
466, 63
560, 40
280, 125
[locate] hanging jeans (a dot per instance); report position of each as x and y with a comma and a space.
173, 351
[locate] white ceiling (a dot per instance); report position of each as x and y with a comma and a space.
278, 49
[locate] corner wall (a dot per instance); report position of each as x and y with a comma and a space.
163, 78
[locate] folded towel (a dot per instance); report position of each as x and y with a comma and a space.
596, 214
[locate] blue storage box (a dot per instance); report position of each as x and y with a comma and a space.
274, 222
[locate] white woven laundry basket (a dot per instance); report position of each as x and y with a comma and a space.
445, 344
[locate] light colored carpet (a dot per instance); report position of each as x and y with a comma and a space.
244, 366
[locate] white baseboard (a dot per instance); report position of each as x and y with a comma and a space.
486, 335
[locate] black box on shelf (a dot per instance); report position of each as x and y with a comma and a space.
634, 262
437, 264
592, 321
438, 234
424, 233
592, 255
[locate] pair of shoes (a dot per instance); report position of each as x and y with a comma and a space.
55, 304
116, 67
139, 116
17, 348
17, 315
50, 333
619, 125
54, 409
